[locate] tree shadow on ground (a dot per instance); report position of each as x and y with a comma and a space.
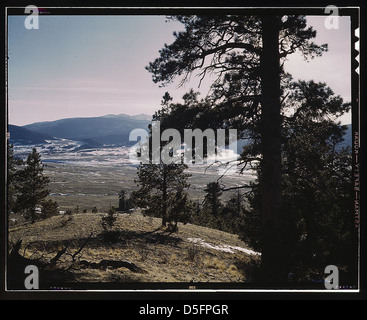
124, 237
156, 236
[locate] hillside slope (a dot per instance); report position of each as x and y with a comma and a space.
193, 254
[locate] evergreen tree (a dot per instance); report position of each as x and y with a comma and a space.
109, 235
212, 203
124, 203
246, 52
49, 208
108, 221
32, 189
161, 187
12, 178
316, 184
181, 208
163, 184
234, 205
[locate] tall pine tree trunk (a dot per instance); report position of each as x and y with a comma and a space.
273, 252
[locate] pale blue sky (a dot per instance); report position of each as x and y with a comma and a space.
78, 66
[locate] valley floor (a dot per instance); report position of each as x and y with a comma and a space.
98, 186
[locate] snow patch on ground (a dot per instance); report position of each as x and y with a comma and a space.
225, 247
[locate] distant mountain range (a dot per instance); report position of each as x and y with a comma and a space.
95, 132
21, 135
109, 130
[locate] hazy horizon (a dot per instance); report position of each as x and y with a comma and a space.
80, 117
89, 66
110, 114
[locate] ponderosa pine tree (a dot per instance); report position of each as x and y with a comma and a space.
161, 187
246, 53
316, 184
32, 186
123, 202
212, 203
235, 205
49, 208
12, 178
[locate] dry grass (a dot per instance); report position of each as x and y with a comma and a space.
167, 257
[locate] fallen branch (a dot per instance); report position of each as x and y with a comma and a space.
82, 246
58, 256
113, 264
